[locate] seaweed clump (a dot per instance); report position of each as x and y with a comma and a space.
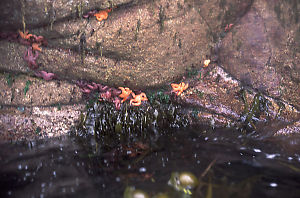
110, 126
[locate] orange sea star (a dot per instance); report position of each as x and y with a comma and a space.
125, 93
36, 46
25, 35
137, 99
179, 88
206, 63
102, 15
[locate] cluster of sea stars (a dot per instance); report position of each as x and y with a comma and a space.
112, 94
31, 54
33, 40
106, 93
136, 100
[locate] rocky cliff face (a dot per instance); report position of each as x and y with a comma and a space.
253, 46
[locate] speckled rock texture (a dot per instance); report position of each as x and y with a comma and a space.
34, 108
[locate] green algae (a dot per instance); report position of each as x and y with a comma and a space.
26, 88
9, 79
158, 96
192, 72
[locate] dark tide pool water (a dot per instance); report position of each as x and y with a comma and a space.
227, 164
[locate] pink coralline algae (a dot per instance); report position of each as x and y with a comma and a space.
30, 58
45, 75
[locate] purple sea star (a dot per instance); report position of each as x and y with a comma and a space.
45, 75
30, 58
117, 102
89, 14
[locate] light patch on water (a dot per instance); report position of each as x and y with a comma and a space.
77, 181
274, 185
163, 162
272, 156
142, 170
257, 150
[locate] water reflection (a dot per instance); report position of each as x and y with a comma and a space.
244, 166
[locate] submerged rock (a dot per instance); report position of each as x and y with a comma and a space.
183, 181
131, 192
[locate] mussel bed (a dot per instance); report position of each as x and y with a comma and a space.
110, 126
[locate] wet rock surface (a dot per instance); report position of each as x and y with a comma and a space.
262, 49
146, 44
222, 101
